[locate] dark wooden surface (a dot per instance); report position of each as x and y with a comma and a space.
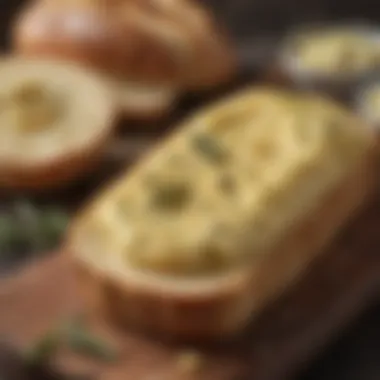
248, 18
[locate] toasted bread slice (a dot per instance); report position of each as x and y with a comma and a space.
225, 215
55, 118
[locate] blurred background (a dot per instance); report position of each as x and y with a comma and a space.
248, 19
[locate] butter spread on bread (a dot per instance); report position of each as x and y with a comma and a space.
54, 119
192, 226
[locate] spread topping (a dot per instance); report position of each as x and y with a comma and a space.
33, 106
209, 148
49, 110
242, 187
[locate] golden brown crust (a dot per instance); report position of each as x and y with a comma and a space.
53, 173
227, 307
161, 41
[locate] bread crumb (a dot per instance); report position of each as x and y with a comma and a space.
189, 361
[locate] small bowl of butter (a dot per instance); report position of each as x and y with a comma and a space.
331, 58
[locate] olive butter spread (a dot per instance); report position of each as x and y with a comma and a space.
247, 169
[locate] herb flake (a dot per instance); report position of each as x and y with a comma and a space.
209, 149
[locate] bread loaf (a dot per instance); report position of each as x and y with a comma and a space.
225, 215
151, 49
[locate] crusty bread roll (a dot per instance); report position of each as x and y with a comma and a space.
154, 47
225, 215
55, 120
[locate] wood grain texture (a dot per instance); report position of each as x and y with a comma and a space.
342, 283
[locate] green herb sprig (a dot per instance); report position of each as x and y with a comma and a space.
28, 228
74, 336
44, 349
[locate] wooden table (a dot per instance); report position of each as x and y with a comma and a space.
344, 282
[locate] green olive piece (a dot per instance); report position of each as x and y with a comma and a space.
170, 196
209, 149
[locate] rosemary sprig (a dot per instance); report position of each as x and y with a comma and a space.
30, 228
80, 340
44, 349
73, 335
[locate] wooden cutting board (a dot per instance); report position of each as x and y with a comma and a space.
343, 282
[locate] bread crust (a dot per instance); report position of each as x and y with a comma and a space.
150, 107
54, 173
224, 306
171, 42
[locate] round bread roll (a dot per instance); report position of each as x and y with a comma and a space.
55, 120
151, 49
